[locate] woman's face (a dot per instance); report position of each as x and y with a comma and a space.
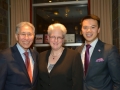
56, 39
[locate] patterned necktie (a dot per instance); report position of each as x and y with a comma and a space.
28, 66
87, 56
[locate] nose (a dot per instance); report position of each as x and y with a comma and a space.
26, 36
89, 29
56, 39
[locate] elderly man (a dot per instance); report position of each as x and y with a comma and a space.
18, 69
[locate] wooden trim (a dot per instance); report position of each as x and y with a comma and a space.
89, 7
31, 11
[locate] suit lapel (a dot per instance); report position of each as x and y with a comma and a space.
35, 70
18, 58
60, 60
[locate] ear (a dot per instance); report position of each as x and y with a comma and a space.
99, 30
63, 41
16, 37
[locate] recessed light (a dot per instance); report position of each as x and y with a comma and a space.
50, 1
55, 13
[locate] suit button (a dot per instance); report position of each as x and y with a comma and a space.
49, 84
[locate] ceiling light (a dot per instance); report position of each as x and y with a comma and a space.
66, 15
76, 27
50, 1
67, 10
56, 13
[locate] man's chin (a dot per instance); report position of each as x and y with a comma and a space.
26, 47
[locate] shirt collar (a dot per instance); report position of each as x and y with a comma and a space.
93, 43
20, 49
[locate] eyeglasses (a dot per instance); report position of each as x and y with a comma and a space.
24, 34
54, 38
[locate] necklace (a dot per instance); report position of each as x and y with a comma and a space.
57, 55
54, 57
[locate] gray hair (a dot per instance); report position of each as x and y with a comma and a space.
57, 26
21, 24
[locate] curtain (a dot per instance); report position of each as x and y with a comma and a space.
103, 9
20, 11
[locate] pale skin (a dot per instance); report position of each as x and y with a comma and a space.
90, 30
56, 45
25, 41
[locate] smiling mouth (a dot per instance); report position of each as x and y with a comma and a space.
26, 43
88, 35
55, 44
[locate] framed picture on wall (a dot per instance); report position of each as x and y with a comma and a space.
45, 38
39, 38
70, 38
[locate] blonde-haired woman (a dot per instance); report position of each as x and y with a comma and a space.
60, 68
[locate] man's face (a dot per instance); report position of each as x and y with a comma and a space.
25, 37
90, 30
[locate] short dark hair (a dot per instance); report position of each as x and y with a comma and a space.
91, 17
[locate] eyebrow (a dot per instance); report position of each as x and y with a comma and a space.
89, 26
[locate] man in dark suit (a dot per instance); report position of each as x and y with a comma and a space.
103, 70
18, 71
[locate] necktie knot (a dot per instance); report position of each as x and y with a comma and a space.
27, 61
88, 46
26, 54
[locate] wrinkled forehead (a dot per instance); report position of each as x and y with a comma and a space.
26, 28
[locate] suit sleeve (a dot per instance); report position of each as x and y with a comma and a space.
114, 67
3, 72
77, 73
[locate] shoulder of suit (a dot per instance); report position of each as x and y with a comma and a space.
33, 51
44, 52
78, 48
6, 51
108, 46
71, 51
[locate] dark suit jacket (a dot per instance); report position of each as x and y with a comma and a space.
67, 73
104, 68
13, 73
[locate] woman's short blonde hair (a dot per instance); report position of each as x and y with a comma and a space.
57, 26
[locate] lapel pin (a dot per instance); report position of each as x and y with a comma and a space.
99, 50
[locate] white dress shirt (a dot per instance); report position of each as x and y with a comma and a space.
90, 50
22, 51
